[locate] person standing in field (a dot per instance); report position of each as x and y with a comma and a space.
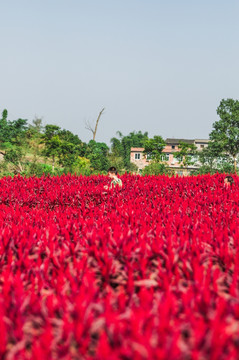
115, 181
228, 181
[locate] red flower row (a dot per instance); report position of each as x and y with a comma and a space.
149, 271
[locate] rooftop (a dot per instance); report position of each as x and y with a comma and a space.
137, 149
202, 141
177, 141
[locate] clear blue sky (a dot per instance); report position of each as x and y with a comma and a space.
156, 66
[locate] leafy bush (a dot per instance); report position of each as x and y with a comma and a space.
156, 168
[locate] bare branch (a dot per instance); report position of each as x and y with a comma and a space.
97, 122
89, 127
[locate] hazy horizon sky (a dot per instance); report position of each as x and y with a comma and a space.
156, 66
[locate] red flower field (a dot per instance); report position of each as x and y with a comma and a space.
147, 272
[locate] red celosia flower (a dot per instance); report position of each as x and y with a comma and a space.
147, 272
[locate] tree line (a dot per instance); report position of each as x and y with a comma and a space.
34, 149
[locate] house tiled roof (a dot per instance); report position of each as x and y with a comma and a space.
177, 141
137, 149
202, 141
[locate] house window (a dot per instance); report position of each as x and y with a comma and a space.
173, 146
164, 157
201, 146
174, 160
137, 156
194, 158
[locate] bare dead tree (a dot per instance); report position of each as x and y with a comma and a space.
89, 127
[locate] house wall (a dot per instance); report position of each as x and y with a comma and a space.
143, 161
170, 151
172, 162
140, 163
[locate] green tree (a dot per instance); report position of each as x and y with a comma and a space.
13, 141
116, 161
34, 139
63, 147
225, 133
12, 132
153, 148
71, 148
81, 166
121, 147
52, 143
211, 162
16, 157
4, 131
97, 153
156, 168
67, 154
68, 136
187, 154
36, 128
